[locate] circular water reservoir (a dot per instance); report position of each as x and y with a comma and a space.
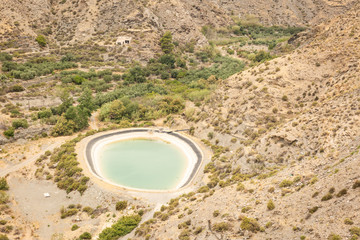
140, 159
143, 163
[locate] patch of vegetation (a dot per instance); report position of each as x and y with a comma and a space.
68, 175
41, 40
250, 224
121, 205
221, 227
327, 197
356, 184
20, 123
74, 227
122, 227
286, 183
334, 236
3, 184
270, 205
222, 68
9, 132
85, 235
313, 209
35, 67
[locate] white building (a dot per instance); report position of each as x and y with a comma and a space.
123, 40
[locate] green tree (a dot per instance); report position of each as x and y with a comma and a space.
166, 43
63, 127
79, 116
135, 75
41, 40
86, 100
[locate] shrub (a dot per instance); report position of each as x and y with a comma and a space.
74, 227
41, 40
4, 198
348, 221
16, 88
185, 235
121, 205
20, 123
3, 184
341, 193
88, 210
270, 205
250, 224
68, 212
313, 209
355, 231
203, 189
284, 98
198, 230
85, 235
9, 132
44, 114
216, 213
122, 227
221, 227
3, 237
356, 184
327, 197
5, 57
286, 183
334, 237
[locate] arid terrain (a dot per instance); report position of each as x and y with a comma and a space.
269, 90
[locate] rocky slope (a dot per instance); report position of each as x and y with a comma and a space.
293, 121
104, 20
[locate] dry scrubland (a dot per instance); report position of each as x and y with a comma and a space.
283, 133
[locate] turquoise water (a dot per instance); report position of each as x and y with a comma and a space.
143, 163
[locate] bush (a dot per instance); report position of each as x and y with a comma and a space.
85, 235
348, 221
250, 224
9, 132
341, 193
4, 198
327, 197
355, 231
122, 227
356, 184
5, 57
74, 227
3, 237
41, 40
121, 205
334, 237
3, 184
270, 205
16, 88
285, 183
20, 123
221, 227
313, 209
44, 114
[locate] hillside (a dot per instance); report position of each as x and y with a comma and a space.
291, 121
101, 22
269, 90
